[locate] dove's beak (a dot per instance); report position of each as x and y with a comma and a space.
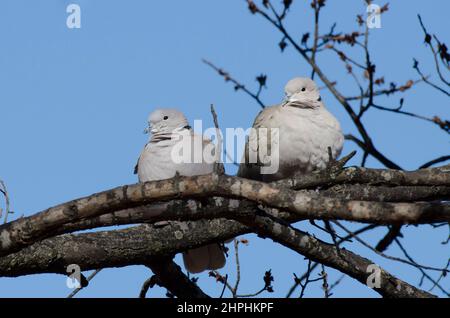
149, 130
294, 102
288, 100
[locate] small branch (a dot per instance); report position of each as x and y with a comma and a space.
170, 276
388, 91
89, 278
4, 191
325, 286
238, 85
148, 284
238, 267
218, 167
336, 283
316, 7
326, 254
268, 279
388, 256
223, 280
425, 79
340, 241
424, 273
393, 232
374, 152
224, 286
434, 52
306, 278
399, 111
434, 161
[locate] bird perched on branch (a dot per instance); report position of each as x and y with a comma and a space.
174, 148
293, 136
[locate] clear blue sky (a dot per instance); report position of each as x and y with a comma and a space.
73, 105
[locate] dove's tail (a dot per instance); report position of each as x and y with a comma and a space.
210, 257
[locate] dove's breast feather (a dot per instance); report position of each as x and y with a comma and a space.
157, 163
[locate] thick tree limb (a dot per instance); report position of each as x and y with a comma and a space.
118, 248
357, 175
347, 262
23, 232
141, 244
387, 193
218, 206
193, 199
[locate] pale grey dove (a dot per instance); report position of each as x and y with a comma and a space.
157, 162
306, 130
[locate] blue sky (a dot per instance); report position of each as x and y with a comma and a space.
74, 102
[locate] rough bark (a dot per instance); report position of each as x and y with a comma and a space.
347, 262
25, 231
360, 175
212, 208
118, 248
147, 243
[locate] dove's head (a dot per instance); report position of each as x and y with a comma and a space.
302, 92
166, 121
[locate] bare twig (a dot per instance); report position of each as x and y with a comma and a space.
218, 166
399, 111
426, 80
306, 278
148, 284
401, 260
238, 267
325, 285
387, 91
428, 40
424, 273
4, 191
340, 241
238, 85
89, 278
434, 161
336, 283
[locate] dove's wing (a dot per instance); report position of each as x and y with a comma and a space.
155, 162
248, 168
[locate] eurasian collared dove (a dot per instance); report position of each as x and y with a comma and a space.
305, 131
159, 161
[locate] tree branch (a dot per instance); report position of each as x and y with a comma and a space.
141, 244
170, 276
349, 263
25, 231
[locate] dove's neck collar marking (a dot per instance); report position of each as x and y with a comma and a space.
302, 104
160, 136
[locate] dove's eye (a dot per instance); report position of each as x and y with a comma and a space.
166, 117
303, 89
